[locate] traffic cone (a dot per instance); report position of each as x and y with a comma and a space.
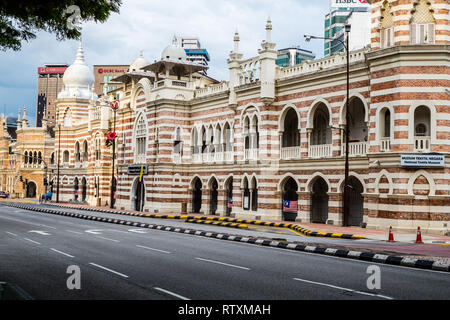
391, 235
419, 236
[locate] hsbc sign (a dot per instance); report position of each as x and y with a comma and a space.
349, 4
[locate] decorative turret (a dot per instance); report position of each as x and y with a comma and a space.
268, 56
19, 122
24, 118
234, 67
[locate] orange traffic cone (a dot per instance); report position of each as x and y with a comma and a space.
391, 235
419, 236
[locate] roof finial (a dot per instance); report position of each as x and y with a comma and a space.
269, 30
236, 41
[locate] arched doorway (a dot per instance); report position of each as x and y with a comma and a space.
197, 196
254, 194
319, 201
229, 197
83, 189
75, 189
356, 202
31, 190
290, 200
213, 196
138, 197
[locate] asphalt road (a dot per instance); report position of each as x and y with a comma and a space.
119, 262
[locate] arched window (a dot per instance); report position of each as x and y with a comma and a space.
177, 141
254, 194
39, 157
227, 138
387, 123
422, 122
77, 152
422, 24
321, 133
291, 134
52, 158
25, 158
386, 26
98, 142
35, 157
66, 156
195, 147
141, 140
85, 151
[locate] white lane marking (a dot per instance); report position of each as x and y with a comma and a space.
63, 253
31, 240
171, 293
153, 249
104, 268
13, 234
137, 231
345, 289
93, 231
107, 239
48, 226
223, 263
76, 232
42, 233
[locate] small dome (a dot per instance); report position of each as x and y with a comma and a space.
139, 63
78, 79
174, 52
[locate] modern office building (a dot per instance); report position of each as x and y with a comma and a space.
292, 56
104, 75
358, 18
49, 85
194, 51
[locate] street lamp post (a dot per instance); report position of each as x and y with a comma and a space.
114, 105
346, 204
59, 151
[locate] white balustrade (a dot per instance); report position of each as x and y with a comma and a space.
251, 154
197, 157
308, 66
422, 144
140, 159
356, 148
385, 144
320, 151
177, 158
290, 153
212, 89
229, 156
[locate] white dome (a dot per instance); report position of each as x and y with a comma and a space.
174, 52
139, 63
78, 79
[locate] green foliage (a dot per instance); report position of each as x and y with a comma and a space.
21, 19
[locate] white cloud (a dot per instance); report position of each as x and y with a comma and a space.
150, 26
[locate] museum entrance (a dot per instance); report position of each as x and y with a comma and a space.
197, 196
319, 201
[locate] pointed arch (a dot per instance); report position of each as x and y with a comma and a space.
284, 179
313, 179
381, 174
284, 112
312, 110
353, 95
427, 176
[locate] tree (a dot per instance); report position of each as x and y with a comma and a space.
21, 19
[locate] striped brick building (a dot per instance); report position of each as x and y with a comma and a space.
240, 147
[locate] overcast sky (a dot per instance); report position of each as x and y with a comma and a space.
150, 26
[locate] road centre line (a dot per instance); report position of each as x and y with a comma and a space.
223, 263
32, 241
10, 233
63, 253
107, 269
345, 289
171, 293
153, 249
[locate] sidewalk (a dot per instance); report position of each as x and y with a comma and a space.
381, 235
